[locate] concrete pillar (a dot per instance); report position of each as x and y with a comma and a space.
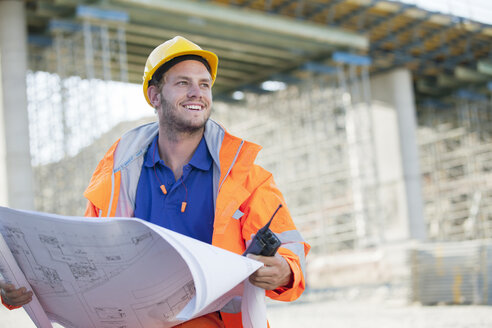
16, 178
394, 91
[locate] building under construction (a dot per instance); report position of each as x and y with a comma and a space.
375, 118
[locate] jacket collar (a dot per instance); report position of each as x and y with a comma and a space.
227, 152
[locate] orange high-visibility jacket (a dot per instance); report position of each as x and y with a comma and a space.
245, 197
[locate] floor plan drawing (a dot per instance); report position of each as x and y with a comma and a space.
166, 310
117, 272
89, 265
110, 313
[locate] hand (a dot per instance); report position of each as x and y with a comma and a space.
276, 272
13, 296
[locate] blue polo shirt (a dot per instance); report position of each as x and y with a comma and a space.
194, 187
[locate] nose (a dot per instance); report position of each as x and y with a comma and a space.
194, 91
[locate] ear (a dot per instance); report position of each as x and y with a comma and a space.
154, 96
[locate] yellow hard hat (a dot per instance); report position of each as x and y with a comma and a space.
176, 47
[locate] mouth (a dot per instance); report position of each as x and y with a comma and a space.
194, 107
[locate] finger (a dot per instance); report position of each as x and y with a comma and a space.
15, 293
268, 261
261, 283
21, 300
18, 297
265, 273
254, 257
18, 294
6, 286
264, 281
260, 258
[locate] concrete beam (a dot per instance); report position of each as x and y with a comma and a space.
448, 81
216, 30
469, 75
238, 46
259, 21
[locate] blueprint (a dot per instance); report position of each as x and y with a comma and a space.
116, 272
11, 273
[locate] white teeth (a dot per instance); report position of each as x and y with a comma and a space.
194, 107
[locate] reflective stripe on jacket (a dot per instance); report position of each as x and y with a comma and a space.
245, 196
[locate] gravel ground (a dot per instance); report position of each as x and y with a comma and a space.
380, 315
344, 314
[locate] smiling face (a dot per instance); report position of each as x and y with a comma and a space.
184, 103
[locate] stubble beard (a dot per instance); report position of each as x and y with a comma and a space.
174, 125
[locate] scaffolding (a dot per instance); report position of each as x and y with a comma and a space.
455, 139
317, 140
76, 87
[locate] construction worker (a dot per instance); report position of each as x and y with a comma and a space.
186, 173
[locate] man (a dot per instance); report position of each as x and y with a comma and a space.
186, 173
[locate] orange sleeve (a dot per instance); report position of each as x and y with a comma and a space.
264, 198
293, 292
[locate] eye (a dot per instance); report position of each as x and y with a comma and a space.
182, 82
205, 85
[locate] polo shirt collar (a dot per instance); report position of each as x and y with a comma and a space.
152, 156
201, 159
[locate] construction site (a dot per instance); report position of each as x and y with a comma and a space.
375, 118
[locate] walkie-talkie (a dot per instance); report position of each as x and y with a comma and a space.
265, 242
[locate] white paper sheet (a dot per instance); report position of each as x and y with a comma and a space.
253, 307
120, 272
11, 273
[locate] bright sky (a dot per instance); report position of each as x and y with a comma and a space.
477, 10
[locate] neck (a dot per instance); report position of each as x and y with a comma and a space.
176, 150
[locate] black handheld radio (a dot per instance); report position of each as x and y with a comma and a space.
265, 242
